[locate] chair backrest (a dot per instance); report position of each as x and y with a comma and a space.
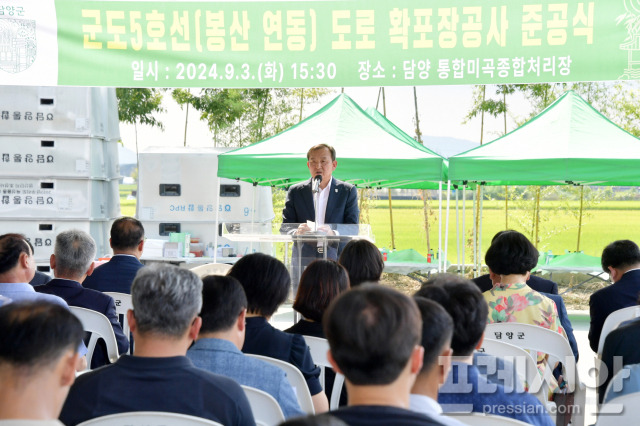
523, 361
296, 379
536, 338
480, 419
319, 348
123, 304
211, 269
613, 321
99, 327
621, 411
149, 418
266, 410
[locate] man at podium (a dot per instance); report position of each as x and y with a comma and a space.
316, 204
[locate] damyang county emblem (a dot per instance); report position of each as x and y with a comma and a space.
18, 44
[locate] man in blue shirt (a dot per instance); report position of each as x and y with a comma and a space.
217, 349
159, 377
466, 390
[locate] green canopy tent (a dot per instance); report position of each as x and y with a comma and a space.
570, 142
368, 154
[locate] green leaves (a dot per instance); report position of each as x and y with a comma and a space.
137, 105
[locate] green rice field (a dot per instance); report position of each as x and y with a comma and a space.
602, 223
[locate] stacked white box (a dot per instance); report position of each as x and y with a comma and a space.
58, 163
177, 193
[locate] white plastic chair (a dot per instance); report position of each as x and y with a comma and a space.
266, 410
621, 411
480, 419
149, 418
123, 304
99, 327
319, 348
524, 363
535, 338
211, 269
614, 319
296, 379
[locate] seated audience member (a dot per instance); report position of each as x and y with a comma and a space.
321, 282
620, 349
437, 329
625, 382
217, 349
266, 284
621, 260
537, 283
374, 337
466, 389
363, 261
72, 262
17, 267
158, 376
127, 243
38, 355
495, 369
510, 258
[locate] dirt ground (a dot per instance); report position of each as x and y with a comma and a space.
576, 296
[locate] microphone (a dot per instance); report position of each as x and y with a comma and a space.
316, 183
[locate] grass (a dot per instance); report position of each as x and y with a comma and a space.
602, 223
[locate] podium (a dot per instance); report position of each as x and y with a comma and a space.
295, 247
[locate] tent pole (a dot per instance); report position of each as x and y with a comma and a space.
537, 214
580, 217
464, 214
393, 237
253, 213
457, 231
439, 225
446, 229
480, 231
506, 207
475, 231
425, 208
217, 225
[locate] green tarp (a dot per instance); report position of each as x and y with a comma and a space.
569, 142
367, 154
575, 262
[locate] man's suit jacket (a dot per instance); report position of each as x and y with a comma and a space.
115, 275
619, 295
76, 295
539, 284
622, 342
342, 208
563, 316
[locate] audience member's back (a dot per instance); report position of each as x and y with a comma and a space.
224, 311
363, 262
127, 243
466, 389
159, 377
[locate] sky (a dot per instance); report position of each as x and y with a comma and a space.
442, 110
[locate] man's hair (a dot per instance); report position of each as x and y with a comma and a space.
165, 299
620, 254
320, 283
511, 253
265, 281
363, 262
75, 250
332, 151
372, 331
34, 335
437, 329
11, 247
126, 233
223, 300
464, 302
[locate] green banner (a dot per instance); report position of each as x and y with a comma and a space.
325, 43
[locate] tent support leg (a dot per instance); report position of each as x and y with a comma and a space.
580, 217
217, 225
464, 221
439, 226
446, 229
457, 231
480, 231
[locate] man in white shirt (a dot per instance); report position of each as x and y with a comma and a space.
337, 203
437, 329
